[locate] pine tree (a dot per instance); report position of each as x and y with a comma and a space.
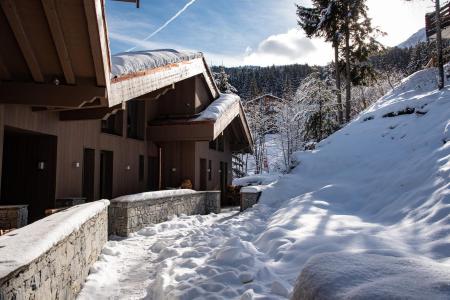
360, 43
324, 20
221, 80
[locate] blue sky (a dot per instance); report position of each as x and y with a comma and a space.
238, 32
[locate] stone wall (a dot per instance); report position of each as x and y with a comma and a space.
249, 198
13, 216
59, 272
126, 217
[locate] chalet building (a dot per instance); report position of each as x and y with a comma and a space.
266, 103
430, 23
78, 123
266, 106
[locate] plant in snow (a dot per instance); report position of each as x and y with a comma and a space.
260, 125
323, 20
316, 108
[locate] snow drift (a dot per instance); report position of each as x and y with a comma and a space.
365, 215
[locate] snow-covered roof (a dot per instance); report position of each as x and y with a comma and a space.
216, 109
131, 62
22, 246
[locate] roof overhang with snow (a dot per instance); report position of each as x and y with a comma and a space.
146, 80
203, 128
55, 54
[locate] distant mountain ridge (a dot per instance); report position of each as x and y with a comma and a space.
417, 38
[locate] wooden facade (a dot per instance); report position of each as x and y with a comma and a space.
69, 130
430, 23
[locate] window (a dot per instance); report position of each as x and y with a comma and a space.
141, 168
114, 124
220, 143
136, 119
213, 145
209, 170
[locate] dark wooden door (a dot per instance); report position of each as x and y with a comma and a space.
153, 174
29, 171
106, 174
203, 174
89, 174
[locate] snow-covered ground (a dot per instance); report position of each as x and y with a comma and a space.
274, 155
365, 215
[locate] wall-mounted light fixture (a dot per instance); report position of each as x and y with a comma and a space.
128, 168
174, 169
209, 170
76, 164
41, 165
220, 171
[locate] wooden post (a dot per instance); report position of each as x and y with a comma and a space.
439, 45
338, 81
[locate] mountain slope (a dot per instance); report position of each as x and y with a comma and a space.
417, 38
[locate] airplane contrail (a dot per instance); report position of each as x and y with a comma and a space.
166, 23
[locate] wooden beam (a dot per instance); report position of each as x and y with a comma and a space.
58, 39
36, 94
194, 131
100, 113
10, 10
131, 86
156, 94
225, 119
130, 1
98, 40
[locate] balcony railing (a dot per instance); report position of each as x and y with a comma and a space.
430, 20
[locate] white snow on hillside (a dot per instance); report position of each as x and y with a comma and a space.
365, 215
417, 38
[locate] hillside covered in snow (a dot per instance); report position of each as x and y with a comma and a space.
419, 37
365, 215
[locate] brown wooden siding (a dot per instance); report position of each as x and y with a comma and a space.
178, 163
202, 95
180, 101
202, 151
73, 137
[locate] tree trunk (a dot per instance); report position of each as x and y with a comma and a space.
439, 45
348, 86
338, 81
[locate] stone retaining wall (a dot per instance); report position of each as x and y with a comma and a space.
13, 216
59, 272
126, 217
248, 199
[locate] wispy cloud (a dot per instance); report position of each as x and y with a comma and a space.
166, 23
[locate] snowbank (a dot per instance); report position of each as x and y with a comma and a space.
253, 180
372, 276
132, 62
218, 107
153, 195
20, 247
